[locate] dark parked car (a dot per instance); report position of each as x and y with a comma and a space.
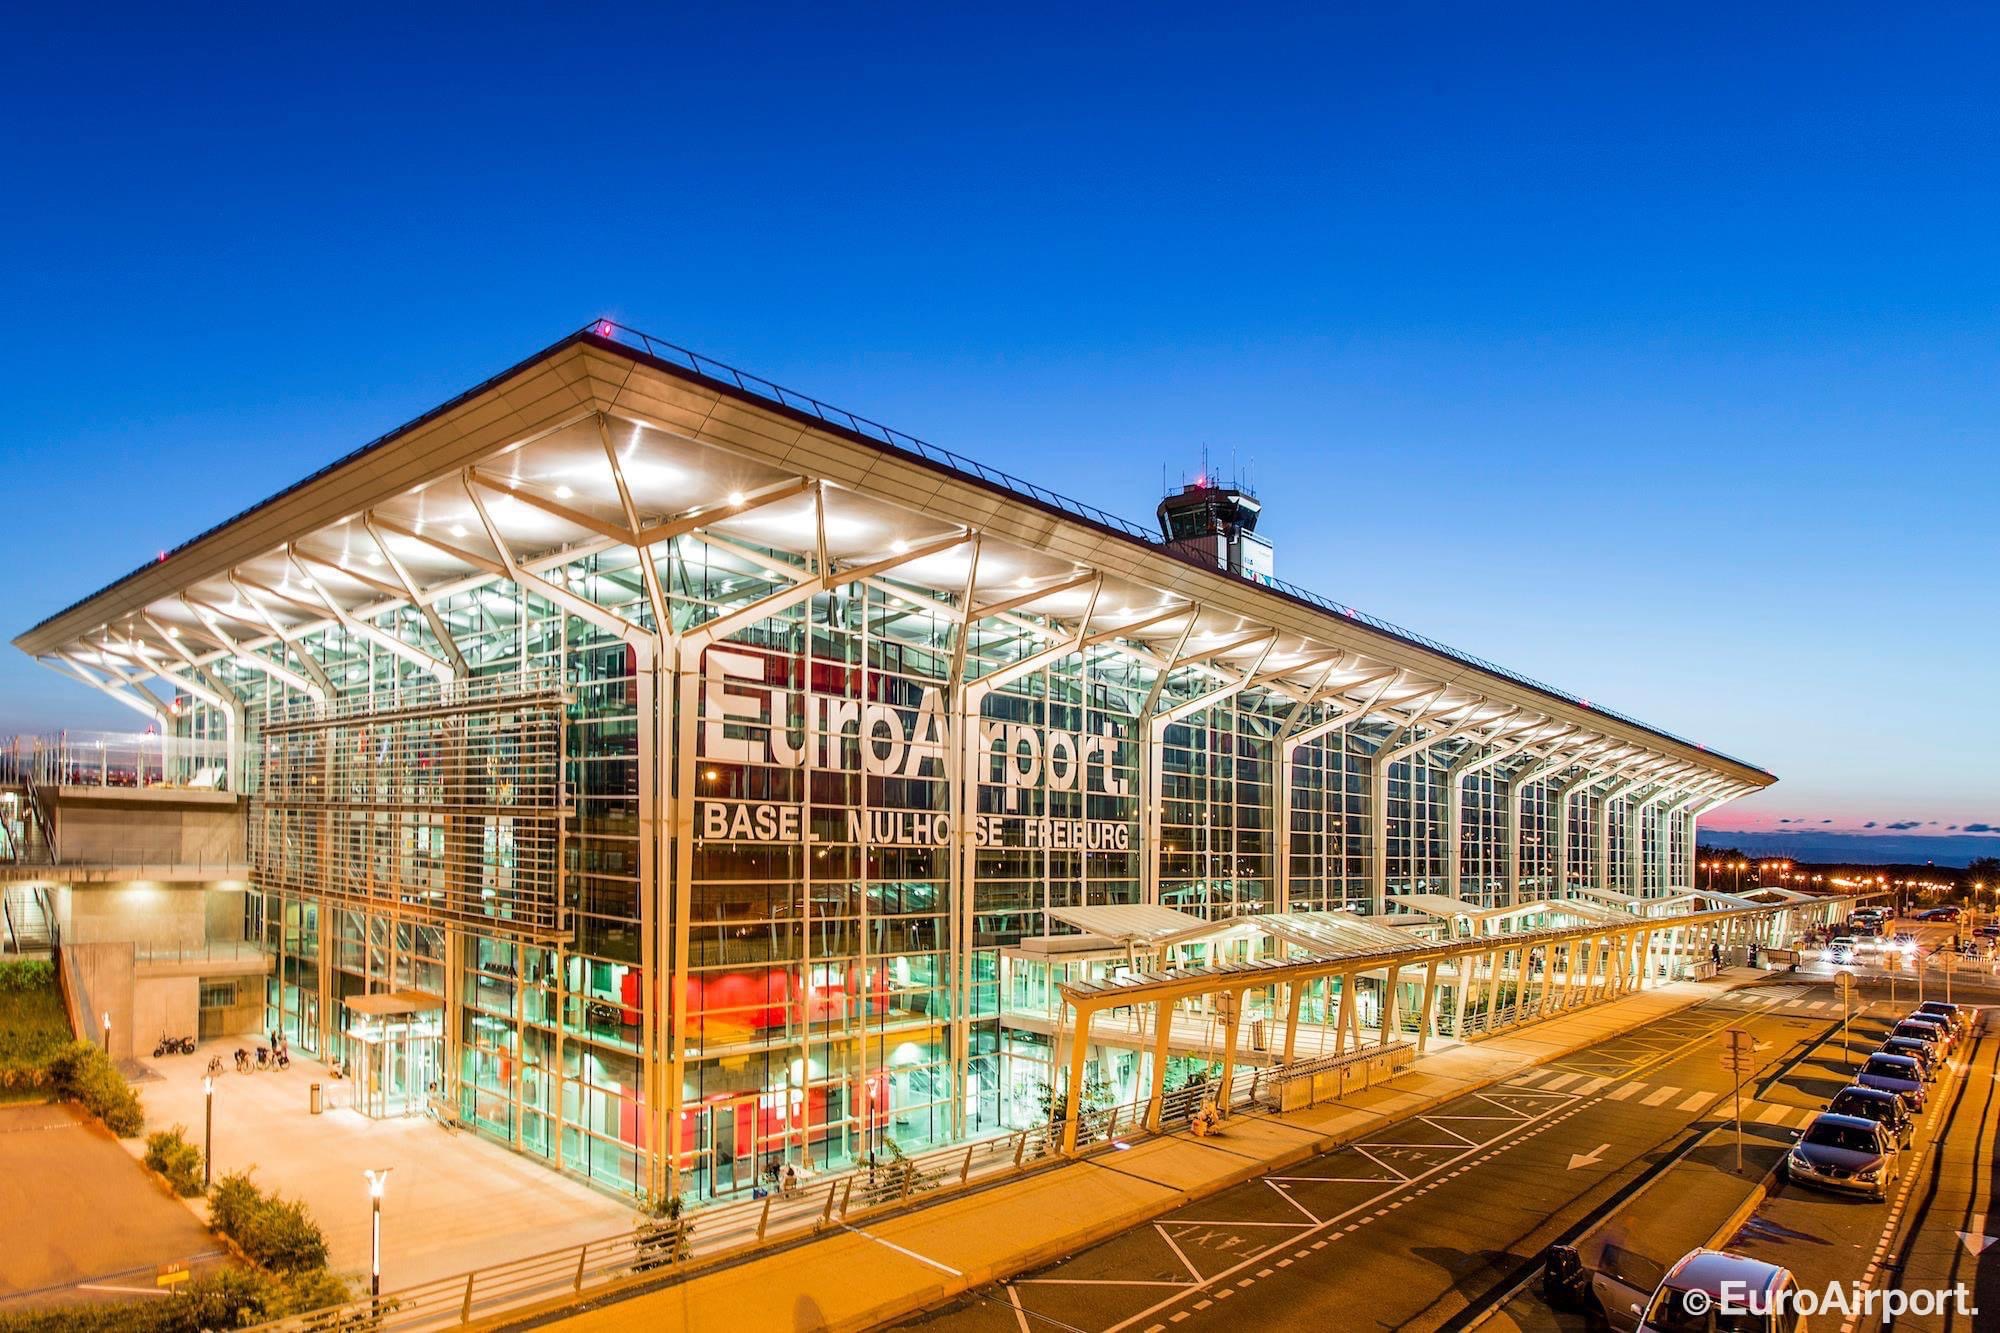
1884, 1108
1926, 1028
1895, 1073
1959, 1015
1937, 1023
1845, 1153
1930, 1060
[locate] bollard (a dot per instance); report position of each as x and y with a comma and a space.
317, 1101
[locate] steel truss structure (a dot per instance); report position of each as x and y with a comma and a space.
686, 678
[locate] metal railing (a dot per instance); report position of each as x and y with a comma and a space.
223, 951
711, 1235
130, 759
718, 372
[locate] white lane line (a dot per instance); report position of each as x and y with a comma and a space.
909, 1254
1623, 1091
1659, 1097
1021, 1316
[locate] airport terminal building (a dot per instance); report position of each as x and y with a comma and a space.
673, 772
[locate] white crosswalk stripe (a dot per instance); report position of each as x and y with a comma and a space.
1623, 1091
1658, 1097
1699, 1100
1586, 1089
1561, 1081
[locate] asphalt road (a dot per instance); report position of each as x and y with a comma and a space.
98, 1224
1437, 1214
1914, 1240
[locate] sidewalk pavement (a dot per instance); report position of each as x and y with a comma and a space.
855, 1278
454, 1202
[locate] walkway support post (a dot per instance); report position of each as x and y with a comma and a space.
1163, 1031
1232, 1012
1078, 1053
1427, 1016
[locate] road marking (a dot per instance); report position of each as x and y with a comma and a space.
912, 1254
1585, 1089
1591, 1158
1623, 1091
1659, 1097
1771, 1115
1697, 1101
1561, 1081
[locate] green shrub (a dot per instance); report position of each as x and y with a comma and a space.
33, 1025
275, 1232
221, 1298
169, 1153
82, 1073
27, 976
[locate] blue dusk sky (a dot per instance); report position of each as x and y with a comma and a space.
1649, 352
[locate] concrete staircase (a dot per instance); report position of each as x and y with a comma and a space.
24, 918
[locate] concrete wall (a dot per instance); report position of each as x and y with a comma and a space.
151, 916
154, 826
164, 1005
106, 972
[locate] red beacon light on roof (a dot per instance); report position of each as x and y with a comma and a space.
603, 328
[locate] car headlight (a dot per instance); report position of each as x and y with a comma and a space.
1871, 1174
1797, 1162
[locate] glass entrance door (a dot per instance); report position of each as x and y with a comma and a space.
397, 1062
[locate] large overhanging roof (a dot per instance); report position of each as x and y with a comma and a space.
608, 440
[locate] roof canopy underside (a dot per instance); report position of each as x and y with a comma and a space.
592, 449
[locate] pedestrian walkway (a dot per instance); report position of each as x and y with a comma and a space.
854, 1277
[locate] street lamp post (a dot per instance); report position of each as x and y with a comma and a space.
207, 1131
376, 1180
107, 1034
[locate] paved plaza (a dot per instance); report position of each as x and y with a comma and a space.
455, 1201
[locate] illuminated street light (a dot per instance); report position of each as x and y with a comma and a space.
207, 1131
376, 1181
107, 1034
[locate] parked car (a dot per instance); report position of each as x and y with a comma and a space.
1929, 1060
1926, 1028
1894, 1073
1714, 1275
1884, 1108
1938, 1023
1846, 1154
1959, 1015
